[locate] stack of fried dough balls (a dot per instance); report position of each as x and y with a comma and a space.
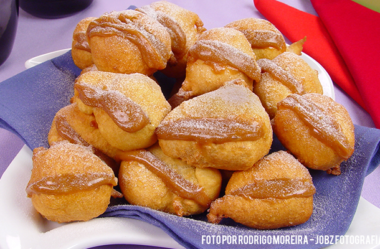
238, 84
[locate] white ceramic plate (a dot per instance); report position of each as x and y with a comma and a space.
22, 227
44, 57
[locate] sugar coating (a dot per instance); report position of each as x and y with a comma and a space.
67, 159
126, 23
231, 102
283, 76
323, 123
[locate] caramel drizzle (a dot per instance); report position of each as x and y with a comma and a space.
209, 130
281, 188
81, 42
128, 115
67, 132
264, 39
70, 183
177, 34
174, 181
219, 52
321, 124
153, 51
282, 75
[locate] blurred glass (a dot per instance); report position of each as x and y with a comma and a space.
8, 27
53, 8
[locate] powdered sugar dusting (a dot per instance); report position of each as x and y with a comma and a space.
283, 76
323, 124
230, 102
65, 166
140, 29
217, 51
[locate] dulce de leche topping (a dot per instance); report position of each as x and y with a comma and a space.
210, 50
209, 130
67, 168
323, 125
178, 36
65, 130
264, 39
124, 112
179, 185
276, 188
128, 24
282, 75
81, 42
70, 183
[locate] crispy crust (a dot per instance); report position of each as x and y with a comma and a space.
142, 187
75, 198
113, 51
272, 90
267, 212
308, 148
205, 76
141, 90
81, 51
219, 105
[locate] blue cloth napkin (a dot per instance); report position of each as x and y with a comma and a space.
29, 101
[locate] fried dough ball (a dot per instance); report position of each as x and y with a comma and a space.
276, 192
286, 74
90, 68
129, 42
225, 129
127, 107
219, 55
316, 130
69, 183
142, 185
81, 51
266, 40
72, 125
184, 27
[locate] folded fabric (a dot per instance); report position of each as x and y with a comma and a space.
295, 25
355, 31
29, 101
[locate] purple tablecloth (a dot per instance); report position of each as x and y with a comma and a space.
37, 36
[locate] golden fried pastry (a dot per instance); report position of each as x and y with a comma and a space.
80, 49
150, 178
316, 130
296, 47
219, 55
90, 68
225, 129
266, 40
286, 74
184, 27
127, 107
77, 127
129, 42
69, 183
276, 192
